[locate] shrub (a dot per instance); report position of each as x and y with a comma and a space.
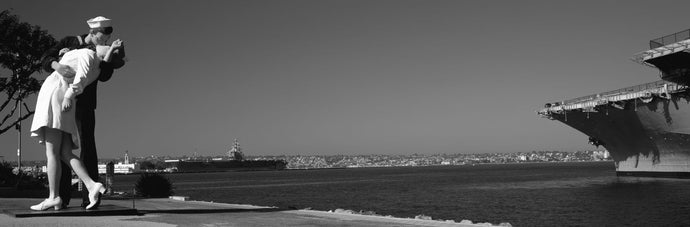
154, 185
11, 177
7, 178
32, 182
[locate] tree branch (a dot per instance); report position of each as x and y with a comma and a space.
3, 130
26, 107
16, 103
10, 96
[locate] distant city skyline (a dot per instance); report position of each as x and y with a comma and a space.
352, 77
368, 160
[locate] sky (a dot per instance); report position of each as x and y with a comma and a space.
315, 77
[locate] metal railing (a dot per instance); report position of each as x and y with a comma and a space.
631, 89
660, 88
669, 39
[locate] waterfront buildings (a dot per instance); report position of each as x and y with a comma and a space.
120, 168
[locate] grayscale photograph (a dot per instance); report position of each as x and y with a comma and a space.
344, 113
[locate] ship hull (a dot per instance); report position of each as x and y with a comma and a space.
644, 139
228, 165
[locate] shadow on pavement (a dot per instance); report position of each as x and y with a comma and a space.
210, 211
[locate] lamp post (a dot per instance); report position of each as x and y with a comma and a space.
19, 124
19, 132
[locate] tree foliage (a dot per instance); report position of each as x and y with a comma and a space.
21, 48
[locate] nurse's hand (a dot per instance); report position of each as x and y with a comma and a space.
66, 104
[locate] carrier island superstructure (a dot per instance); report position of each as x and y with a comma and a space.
645, 128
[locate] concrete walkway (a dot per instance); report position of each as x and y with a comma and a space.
168, 212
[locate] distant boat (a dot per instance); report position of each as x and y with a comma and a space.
234, 161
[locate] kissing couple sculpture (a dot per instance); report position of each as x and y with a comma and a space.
64, 115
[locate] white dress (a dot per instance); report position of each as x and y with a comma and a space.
49, 112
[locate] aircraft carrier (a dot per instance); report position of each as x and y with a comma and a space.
645, 128
234, 161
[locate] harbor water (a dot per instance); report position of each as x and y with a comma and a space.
527, 194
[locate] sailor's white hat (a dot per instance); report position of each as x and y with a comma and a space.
99, 22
